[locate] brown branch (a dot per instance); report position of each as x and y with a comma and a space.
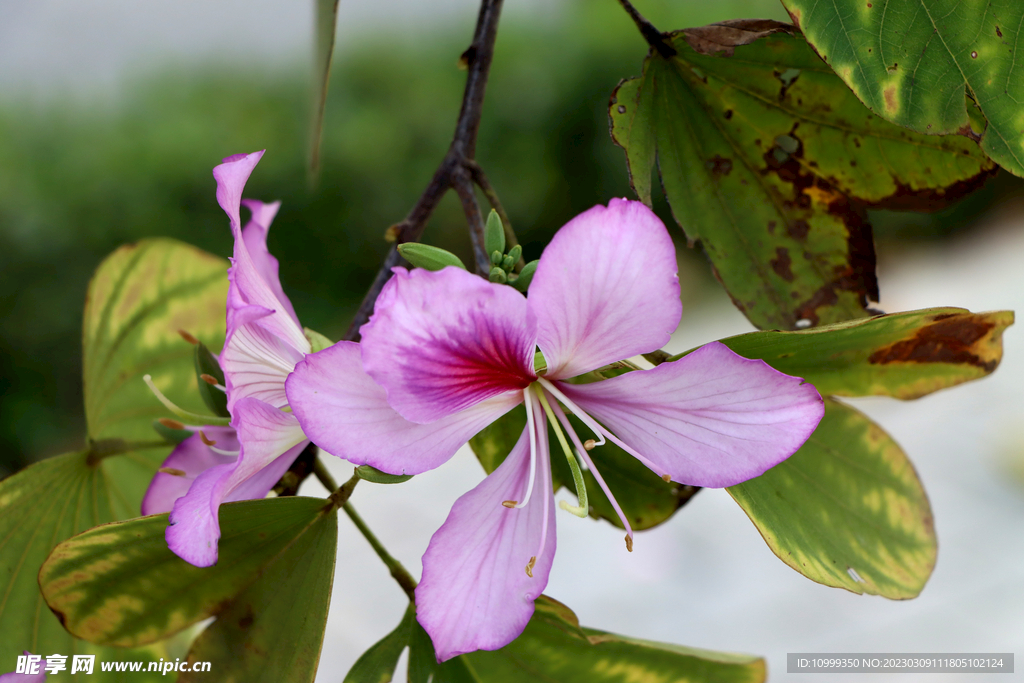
653, 36
452, 170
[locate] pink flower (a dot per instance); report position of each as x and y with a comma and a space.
264, 342
446, 353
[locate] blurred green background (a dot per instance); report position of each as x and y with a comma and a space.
78, 178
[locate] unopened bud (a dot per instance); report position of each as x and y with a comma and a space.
507, 263
589, 444
516, 253
428, 257
526, 276
510, 503
529, 566
498, 276
494, 234
188, 337
629, 543
170, 424
209, 379
174, 472
496, 258
208, 441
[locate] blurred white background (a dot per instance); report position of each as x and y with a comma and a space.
706, 578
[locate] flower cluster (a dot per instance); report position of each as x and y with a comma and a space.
444, 355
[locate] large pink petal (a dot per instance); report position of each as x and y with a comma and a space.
244, 276
254, 359
270, 441
440, 342
346, 413
605, 289
475, 593
712, 418
193, 457
255, 236
38, 677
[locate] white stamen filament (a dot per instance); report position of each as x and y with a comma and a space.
548, 498
575, 410
181, 412
582, 451
532, 427
221, 451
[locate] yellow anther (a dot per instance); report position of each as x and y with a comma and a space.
529, 566
172, 471
208, 441
629, 543
170, 424
510, 503
589, 444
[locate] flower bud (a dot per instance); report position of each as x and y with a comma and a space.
498, 276
494, 234
428, 257
525, 276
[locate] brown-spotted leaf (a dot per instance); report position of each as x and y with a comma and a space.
769, 160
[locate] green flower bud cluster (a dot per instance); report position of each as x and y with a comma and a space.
503, 264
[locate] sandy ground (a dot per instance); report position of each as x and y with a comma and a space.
707, 579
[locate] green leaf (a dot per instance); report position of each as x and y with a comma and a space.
326, 20
207, 364
138, 300
847, 509
554, 648
377, 665
428, 257
40, 506
525, 277
372, 474
274, 629
913, 61
119, 584
904, 355
768, 159
646, 499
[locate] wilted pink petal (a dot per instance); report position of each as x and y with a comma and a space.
606, 289
191, 457
712, 418
270, 441
475, 593
347, 414
440, 342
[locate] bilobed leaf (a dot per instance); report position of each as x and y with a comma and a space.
40, 506
377, 665
138, 299
768, 160
645, 498
847, 509
119, 584
555, 648
904, 355
274, 629
913, 61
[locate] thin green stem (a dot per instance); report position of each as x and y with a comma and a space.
398, 572
583, 508
196, 418
320, 470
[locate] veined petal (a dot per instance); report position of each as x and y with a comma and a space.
244, 275
606, 289
712, 418
270, 440
255, 236
254, 359
346, 413
192, 457
440, 342
475, 593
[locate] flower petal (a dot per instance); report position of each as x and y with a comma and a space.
270, 441
38, 677
440, 342
255, 236
244, 276
192, 457
712, 418
346, 413
475, 593
605, 289
255, 360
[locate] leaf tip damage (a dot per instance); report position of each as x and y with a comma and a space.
973, 339
726, 36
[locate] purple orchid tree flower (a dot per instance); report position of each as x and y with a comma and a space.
446, 353
264, 342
